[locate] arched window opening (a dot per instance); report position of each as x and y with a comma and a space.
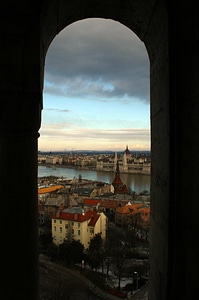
96, 100
96, 89
170, 35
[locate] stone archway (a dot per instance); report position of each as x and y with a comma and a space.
170, 32
149, 22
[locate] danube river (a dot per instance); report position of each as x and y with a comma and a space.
136, 182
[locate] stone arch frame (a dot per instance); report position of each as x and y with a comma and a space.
170, 32
148, 20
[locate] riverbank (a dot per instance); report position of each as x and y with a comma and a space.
90, 168
136, 182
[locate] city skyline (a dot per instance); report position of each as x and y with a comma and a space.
96, 89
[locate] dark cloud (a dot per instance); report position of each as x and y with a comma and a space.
100, 58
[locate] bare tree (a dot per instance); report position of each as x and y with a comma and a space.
119, 254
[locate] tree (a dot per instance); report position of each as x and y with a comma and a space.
76, 251
119, 254
71, 253
45, 239
64, 252
96, 252
52, 251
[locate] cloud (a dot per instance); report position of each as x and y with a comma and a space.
98, 59
58, 110
84, 139
64, 131
96, 89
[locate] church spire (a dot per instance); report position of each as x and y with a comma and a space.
119, 187
117, 168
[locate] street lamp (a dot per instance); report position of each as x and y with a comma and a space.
136, 273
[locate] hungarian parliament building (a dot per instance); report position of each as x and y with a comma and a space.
128, 163
137, 163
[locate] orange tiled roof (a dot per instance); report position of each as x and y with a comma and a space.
129, 208
50, 189
91, 201
145, 214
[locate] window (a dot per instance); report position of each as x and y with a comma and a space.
60, 229
91, 230
78, 232
54, 228
60, 221
54, 221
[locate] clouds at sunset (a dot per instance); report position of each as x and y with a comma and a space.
96, 89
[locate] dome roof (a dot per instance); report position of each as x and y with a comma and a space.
127, 151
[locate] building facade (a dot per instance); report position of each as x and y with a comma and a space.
76, 224
128, 163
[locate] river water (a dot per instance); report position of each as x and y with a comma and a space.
136, 182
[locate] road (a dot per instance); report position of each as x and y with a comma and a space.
56, 283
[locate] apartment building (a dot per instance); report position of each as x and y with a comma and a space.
76, 224
136, 213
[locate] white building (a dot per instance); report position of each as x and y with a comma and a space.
75, 224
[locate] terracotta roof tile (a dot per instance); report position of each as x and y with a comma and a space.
94, 219
77, 217
91, 202
129, 208
50, 189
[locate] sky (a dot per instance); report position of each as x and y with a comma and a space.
96, 89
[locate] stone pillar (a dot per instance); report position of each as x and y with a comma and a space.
156, 40
20, 109
184, 112
19, 124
